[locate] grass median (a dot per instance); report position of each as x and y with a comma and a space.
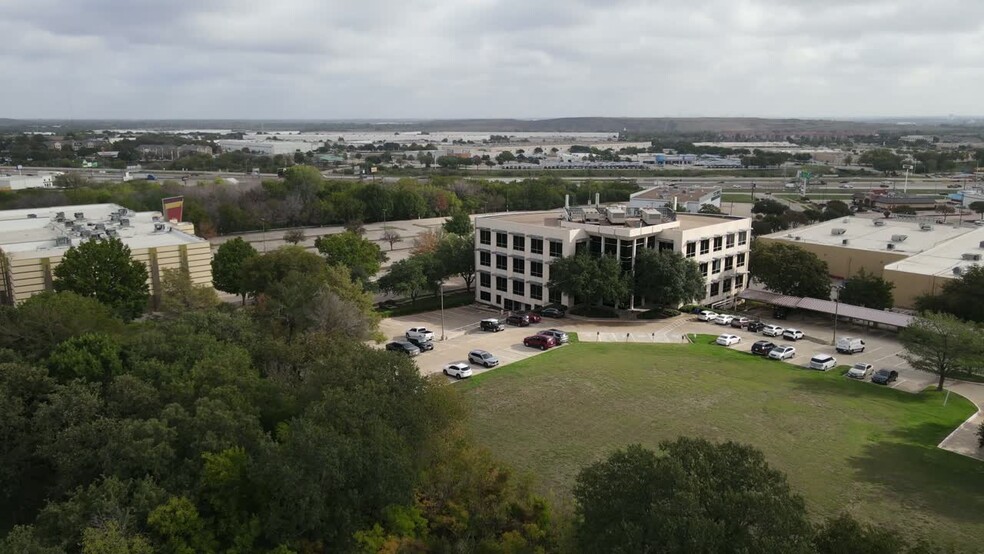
845, 445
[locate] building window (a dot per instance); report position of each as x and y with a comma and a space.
501, 262
485, 259
691, 249
553, 296
739, 281
741, 260
502, 240
716, 266
556, 249
485, 280
715, 289
485, 295
501, 283
536, 291
485, 236
519, 243
519, 287
726, 286
519, 265
705, 246
665, 245
536, 269
729, 263
730, 240
536, 246
718, 241
703, 269
742, 238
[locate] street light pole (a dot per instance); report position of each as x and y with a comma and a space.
836, 291
442, 309
905, 186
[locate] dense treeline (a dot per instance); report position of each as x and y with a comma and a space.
305, 198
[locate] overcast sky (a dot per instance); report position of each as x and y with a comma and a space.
324, 59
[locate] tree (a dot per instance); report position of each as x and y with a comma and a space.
180, 294
977, 207
942, 344
104, 270
709, 209
391, 236
71, 180
44, 320
94, 357
666, 278
980, 435
844, 534
590, 280
694, 497
459, 224
228, 264
294, 236
407, 278
945, 209
361, 256
428, 241
456, 253
788, 269
868, 290
962, 297
504, 156
835, 209
769, 206
881, 159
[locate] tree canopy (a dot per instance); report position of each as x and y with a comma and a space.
868, 290
788, 269
361, 256
227, 266
942, 344
589, 279
459, 224
962, 297
104, 270
666, 278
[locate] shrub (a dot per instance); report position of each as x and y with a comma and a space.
594, 311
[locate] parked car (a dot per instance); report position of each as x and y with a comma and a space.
387, 305
792, 334
762, 347
552, 312
533, 317
772, 330
491, 325
558, 335
723, 319
755, 326
458, 370
727, 340
423, 345
859, 371
420, 333
740, 322
542, 342
518, 320
849, 345
481, 357
403, 347
706, 315
823, 362
782, 352
885, 376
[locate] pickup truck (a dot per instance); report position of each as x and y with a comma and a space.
420, 333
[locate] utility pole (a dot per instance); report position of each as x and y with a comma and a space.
905, 187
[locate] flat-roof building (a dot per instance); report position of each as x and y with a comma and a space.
33, 242
689, 199
20, 182
513, 251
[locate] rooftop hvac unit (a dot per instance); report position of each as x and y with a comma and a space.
891, 246
112, 233
616, 216
124, 222
156, 218
797, 238
158, 227
844, 242
899, 238
957, 270
114, 216
925, 227
63, 241
122, 211
981, 244
32, 216
85, 233
838, 231
60, 216
972, 257
79, 215
100, 226
879, 222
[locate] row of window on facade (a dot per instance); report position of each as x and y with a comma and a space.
519, 287
725, 286
502, 262
719, 243
519, 243
730, 262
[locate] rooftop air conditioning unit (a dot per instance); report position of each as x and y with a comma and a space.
158, 227
124, 222
156, 218
79, 215
879, 222
122, 211
63, 241
797, 238
899, 238
60, 216
891, 246
838, 231
957, 270
981, 244
32, 216
112, 233
844, 242
972, 257
100, 226
85, 233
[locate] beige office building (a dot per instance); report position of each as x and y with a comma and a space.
33, 241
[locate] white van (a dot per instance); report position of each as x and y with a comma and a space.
850, 345
823, 362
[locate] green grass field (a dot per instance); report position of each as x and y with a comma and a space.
845, 445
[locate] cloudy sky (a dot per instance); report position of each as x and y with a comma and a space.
325, 59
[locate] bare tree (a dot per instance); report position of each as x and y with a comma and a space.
295, 236
392, 237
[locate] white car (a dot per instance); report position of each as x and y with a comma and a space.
823, 362
792, 334
420, 333
706, 315
723, 319
458, 370
859, 371
772, 330
728, 340
782, 352
847, 186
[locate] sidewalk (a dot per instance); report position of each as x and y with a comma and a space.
963, 440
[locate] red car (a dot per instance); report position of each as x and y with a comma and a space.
532, 316
542, 342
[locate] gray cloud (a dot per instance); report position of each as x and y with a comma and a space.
489, 58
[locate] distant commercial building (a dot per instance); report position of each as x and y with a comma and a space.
267, 147
916, 255
33, 242
676, 199
513, 252
20, 182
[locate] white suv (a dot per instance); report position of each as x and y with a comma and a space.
772, 330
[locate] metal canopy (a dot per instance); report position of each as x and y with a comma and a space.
829, 307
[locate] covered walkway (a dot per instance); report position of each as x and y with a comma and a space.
858, 313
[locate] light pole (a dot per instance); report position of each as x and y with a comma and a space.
264, 222
905, 186
441, 286
836, 291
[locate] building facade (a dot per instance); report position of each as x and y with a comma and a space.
513, 252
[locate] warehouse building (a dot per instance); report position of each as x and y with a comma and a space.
20, 182
689, 199
513, 251
33, 241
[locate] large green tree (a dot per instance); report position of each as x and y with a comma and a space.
408, 278
456, 253
590, 280
881, 159
788, 269
105, 270
227, 266
962, 297
666, 278
361, 256
459, 224
694, 496
942, 344
44, 320
868, 290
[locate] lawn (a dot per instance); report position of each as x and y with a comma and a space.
845, 445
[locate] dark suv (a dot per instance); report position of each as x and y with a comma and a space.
763, 347
755, 326
403, 347
423, 345
542, 342
492, 325
518, 320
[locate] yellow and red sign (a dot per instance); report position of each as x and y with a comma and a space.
173, 208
